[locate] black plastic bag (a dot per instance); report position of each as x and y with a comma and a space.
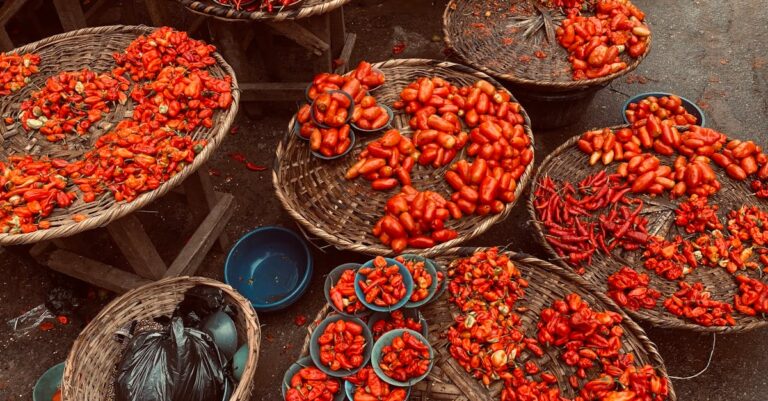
200, 302
178, 364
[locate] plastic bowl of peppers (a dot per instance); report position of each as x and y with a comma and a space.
341, 345
665, 106
297, 386
366, 385
424, 275
402, 357
383, 284
340, 291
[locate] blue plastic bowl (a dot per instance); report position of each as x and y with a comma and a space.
407, 280
430, 267
271, 266
48, 383
386, 339
331, 280
350, 389
314, 347
407, 313
385, 126
298, 365
692, 107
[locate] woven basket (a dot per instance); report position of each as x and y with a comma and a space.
508, 55
343, 212
449, 381
93, 48
308, 8
88, 372
569, 163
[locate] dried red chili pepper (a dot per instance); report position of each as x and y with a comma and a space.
696, 304
16, 70
630, 289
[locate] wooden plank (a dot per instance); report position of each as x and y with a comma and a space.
201, 199
99, 4
303, 36
5, 41
338, 31
320, 25
273, 91
202, 240
196, 23
228, 40
70, 14
155, 10
96, 273
9, 9
129, 235
346, 53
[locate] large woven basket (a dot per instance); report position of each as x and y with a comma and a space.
93, 48
343, 212
567, 162
88, 372
486, 43
449, 381
307, 8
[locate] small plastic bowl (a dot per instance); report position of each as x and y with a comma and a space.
48, 383
407, 280
296, 367
314, 347
386, 339
377, 86
349, 110
350, 388
351, 145
430, 267
297, 130
330, 281
412, 313
271, 266
373, 131
443, 285
692, 107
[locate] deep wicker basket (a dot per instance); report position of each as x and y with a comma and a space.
488, 44
567, 162
88, 372
93, 48
343, 212
307, 8
449, 381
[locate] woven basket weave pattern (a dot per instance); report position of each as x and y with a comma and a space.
88, 370
343, 212
506, 54
93, 48
568, 163
547, 282
308, 8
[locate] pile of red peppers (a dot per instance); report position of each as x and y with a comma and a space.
174, 96
311, 383
16, 70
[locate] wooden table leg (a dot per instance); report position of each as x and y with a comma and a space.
94, 272
129, 235
5, 41
202, 198
155, 10
338, 31
320, 26
70, 14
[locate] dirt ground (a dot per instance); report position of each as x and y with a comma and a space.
711, 51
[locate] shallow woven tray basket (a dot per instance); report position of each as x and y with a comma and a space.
304, 9
89, 368
487, 44
547, 282
567, 162
93, 48
343, 212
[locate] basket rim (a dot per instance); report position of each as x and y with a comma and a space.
553, 85
380, 249
570, 277
210, 9
242, 389
121, 209
667, 323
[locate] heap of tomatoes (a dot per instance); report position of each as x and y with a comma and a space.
173, 96
16, 70
594, 43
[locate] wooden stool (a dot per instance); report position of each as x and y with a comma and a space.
210, 209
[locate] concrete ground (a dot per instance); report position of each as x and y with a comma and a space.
711, 51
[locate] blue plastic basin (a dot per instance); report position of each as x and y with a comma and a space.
692, 107
271, 266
